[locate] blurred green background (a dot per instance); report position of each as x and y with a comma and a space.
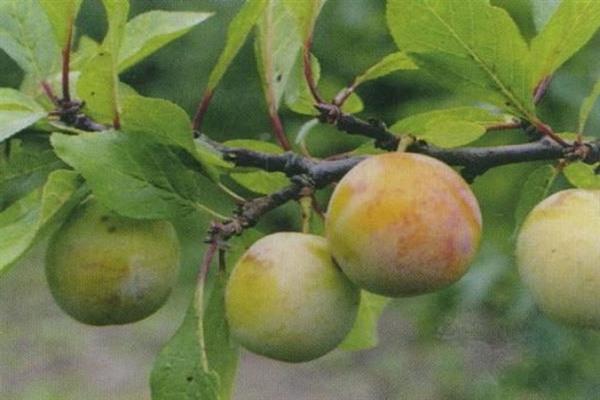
480, 339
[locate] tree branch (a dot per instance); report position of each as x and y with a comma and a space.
308, 174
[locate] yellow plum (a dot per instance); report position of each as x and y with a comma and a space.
402, 224
286, 298
558, 254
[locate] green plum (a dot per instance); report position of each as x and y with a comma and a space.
105, 269
286, 298
558, 254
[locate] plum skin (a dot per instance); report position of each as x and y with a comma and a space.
287, 300
106, 269
558, 255
402, 224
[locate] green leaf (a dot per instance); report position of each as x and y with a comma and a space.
150, 31
86, 49
297, 95
587, 106
258, 181
178, 373
364, 332
25, 221
535, 189
238, 30
195, 366
25, 168
98, 84
542, 10
98, 88
451, 127
116, 13
62, 14
276, 48
571, 26
469, 45
167, 123
583, 175
134, 176
221, 351
26, 36
390, 63
17, 112
306, 13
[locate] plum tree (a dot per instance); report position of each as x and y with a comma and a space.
403, 224
558, 254
287, 299
105, 269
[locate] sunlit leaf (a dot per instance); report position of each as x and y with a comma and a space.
468, 45
583, 175
573, 23
390, 63
451, 127
62, 14
238, 30
150, 31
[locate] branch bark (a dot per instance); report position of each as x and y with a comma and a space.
308, 174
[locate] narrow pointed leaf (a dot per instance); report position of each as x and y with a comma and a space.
392, 62
238, 30
450, 127
148, 32
587, 106
116, 13
277, 47
297, 95
571, 26
62, 14
306, 13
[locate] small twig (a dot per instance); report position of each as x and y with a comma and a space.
50, 93
308, 72
546, 130
66, 60
278, 130
540, 90
201, 112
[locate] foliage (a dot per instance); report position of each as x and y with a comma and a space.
479, 73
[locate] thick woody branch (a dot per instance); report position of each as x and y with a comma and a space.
309, 174
470, 158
